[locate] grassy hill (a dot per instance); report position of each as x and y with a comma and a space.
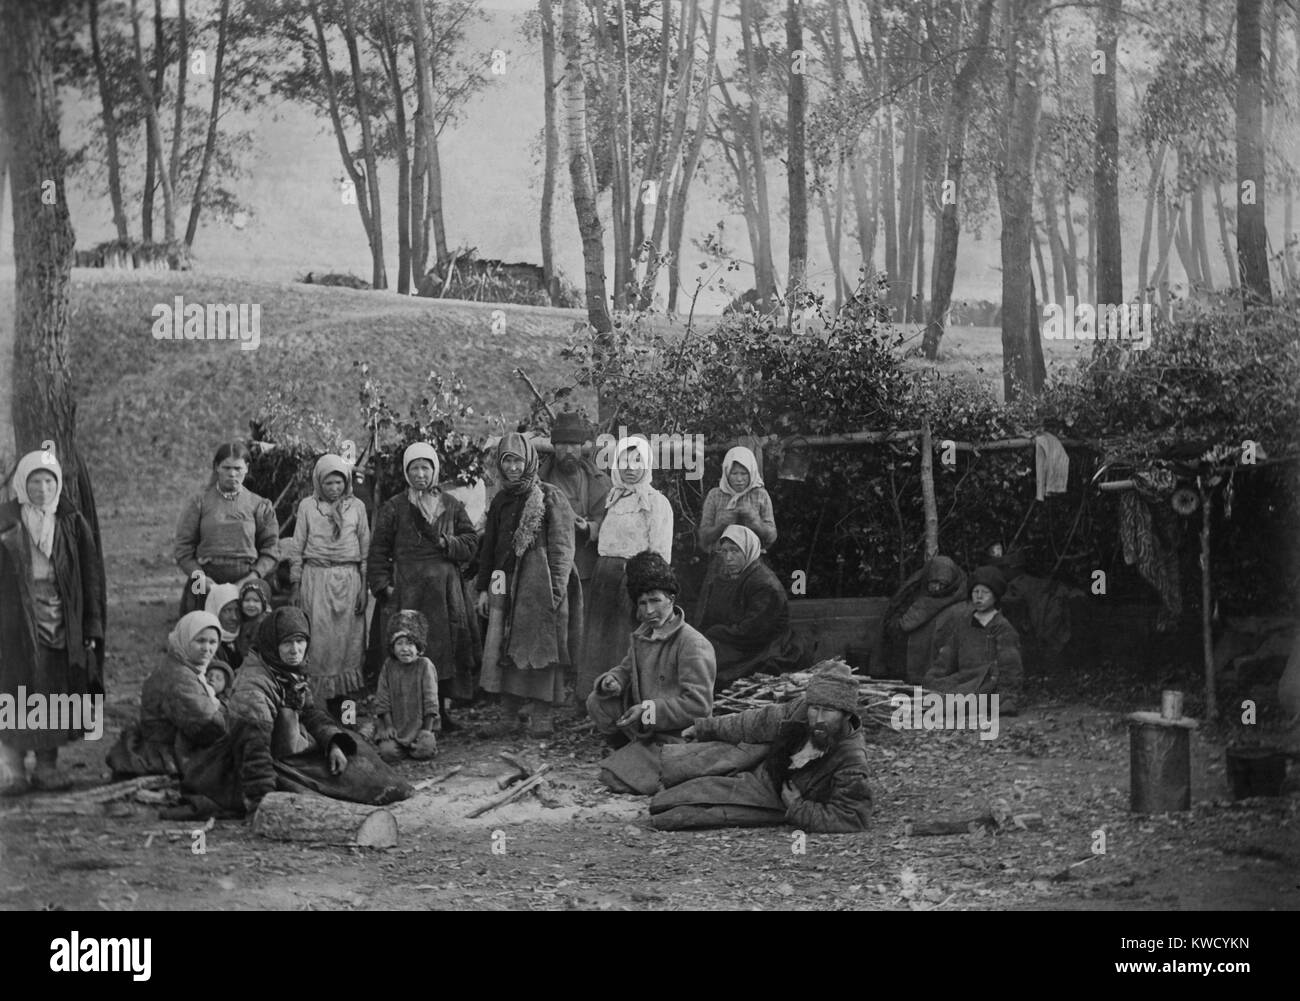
151, 411
159, 407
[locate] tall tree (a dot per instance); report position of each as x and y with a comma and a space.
583, 181
552, 143
1252, 234
1023, 371
796, 157
44, 406
1105, 176
961, 96
151, 100
110, 125
214, 118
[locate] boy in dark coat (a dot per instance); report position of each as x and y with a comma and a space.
978, 649
802, 763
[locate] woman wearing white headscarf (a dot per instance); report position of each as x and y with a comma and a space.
637, 517
51, 615
421, 538
739, 499
223, 602
328, 573
743, 611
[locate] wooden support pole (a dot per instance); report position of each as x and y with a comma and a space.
927, 493
1207, 607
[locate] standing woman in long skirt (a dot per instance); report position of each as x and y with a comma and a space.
328, 573
523, 592
52, 614
226, 534
422, 536
637, 517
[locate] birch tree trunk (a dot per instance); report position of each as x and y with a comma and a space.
552, 142
583, 182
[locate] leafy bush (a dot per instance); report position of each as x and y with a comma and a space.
855, 524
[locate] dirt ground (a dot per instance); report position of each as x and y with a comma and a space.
581, 847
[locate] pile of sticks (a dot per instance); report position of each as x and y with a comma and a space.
767, 689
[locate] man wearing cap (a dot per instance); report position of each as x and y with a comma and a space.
977, 649
802, 763
586, 488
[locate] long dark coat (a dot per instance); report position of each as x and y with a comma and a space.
79, 579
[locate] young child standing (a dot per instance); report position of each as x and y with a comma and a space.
978, 649
406, 700
254, 606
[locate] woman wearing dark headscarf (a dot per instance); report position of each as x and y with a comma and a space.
328, 573
51, 614
523, 579
907, 645
744, 613
311, 752
226, 534
422, 536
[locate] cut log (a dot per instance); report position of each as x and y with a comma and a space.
287, 816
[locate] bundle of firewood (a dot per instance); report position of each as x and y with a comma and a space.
765, 689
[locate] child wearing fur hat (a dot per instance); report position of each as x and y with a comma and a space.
406, 701
978, 650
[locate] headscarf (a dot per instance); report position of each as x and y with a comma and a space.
39, 520
427, 502
516, 444
218, 598
282, 624
248, 627
740, 454
622, 489
748, 542
178, 641
333, 510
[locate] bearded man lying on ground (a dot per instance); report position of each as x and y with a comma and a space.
802, 763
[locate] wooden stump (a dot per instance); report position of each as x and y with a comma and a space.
287, 816
1160, 770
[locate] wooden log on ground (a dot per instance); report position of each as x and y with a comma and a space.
937, 828
87, 802
287, 816
438, 779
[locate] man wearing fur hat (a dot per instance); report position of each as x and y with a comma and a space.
666, 679
802, 763
977, 649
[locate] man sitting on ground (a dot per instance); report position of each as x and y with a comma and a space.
802, 763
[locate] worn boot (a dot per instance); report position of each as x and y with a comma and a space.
13, 772
448, 724
510, 723
47, 776
540, 722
